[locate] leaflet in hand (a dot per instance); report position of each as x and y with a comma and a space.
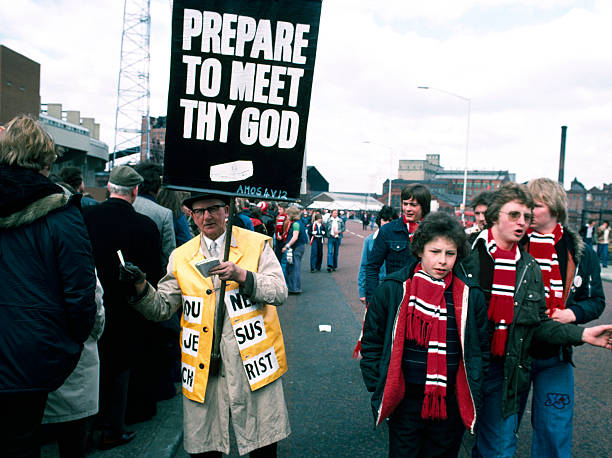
207, 264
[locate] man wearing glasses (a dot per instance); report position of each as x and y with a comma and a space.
246, 385
512, 283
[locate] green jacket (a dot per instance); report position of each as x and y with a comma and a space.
529, 322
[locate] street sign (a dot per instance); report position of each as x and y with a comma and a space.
241, 75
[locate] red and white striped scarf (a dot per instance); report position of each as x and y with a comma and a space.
426, 326
411, 226
501, 306
542, 248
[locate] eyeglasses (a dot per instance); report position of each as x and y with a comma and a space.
515, 215
212, 210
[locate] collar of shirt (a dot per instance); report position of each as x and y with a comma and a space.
220, 241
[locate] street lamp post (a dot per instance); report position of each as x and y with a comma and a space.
467, 143
368, 142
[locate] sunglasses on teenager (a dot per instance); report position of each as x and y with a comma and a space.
515, 215
212, 210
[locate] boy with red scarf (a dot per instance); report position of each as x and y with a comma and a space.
512, 283
574, 294
425, 346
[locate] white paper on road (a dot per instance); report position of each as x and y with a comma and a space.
325, 328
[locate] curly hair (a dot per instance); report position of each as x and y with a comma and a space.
387, 213
25, 143
439, 224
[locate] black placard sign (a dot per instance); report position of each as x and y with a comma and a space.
240, 81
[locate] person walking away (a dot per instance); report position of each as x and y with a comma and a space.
70, 410
392, 245
296, 242
268, 216
317, 232
334, 229
74, 178
115, 225
425, 345
146, 204
574, 294
258, 225
512, 284
249, 393
47, 299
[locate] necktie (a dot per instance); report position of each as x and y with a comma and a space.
213, 250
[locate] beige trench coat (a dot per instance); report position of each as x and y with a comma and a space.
259, 417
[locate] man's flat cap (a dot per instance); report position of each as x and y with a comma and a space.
124, 175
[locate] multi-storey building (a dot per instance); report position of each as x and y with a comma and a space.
19, 85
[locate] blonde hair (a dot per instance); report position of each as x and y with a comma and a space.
293, 213
25, 143
552, 195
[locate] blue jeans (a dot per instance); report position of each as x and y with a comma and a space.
552, 408
333, 246
294, 271
602, 252
316, 254
495, 436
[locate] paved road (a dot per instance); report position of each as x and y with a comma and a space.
328, 404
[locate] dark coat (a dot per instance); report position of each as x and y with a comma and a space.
378, 331
529, 321
391, 247
582, 288
47, 298
115, 225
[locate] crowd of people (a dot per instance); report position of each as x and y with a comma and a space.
457, 334
108, 307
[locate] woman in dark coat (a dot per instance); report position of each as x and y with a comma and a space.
425, 345
47, 299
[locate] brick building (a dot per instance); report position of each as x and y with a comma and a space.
19, 85
158, 139
584, 205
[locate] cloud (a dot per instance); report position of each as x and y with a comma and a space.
528, 68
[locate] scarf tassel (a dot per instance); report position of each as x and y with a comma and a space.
434, 406
498, 344
418, 330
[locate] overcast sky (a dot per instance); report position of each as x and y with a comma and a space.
528, 66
